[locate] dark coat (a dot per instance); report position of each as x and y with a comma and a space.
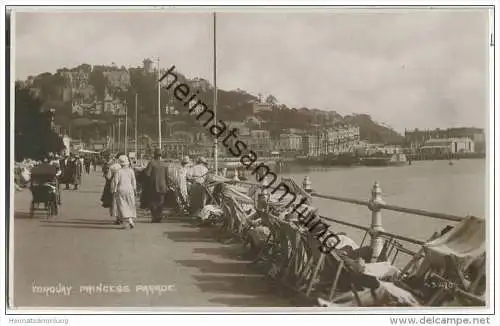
156, 175
65, 175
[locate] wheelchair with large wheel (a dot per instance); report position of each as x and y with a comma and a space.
45, 191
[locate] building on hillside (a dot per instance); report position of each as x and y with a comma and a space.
242, 129
200, 84
113, 106
341, 139
76, 79
86, 93
311, 144
118, 78
447, 146
260, 142
290, 143
78, 107
261, 107
254, 122
66, 94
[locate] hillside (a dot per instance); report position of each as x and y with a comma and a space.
121, 85
373, 132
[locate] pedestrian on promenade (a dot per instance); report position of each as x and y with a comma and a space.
93, 163
123, 188
55, 161
87, 163
184, 174
77, 171
156, 175
66, 169
107, 198
197, 176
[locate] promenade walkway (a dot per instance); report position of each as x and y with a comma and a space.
83, 247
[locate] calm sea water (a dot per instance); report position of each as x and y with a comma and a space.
436, 186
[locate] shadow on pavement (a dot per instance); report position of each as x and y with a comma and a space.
82, 221
197, 235
245, 290
259, 301
209, 266
23, 215
252, 302
84, 191
231, 252
57, 224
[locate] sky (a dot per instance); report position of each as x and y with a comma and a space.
409, 68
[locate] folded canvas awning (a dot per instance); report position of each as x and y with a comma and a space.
465, 242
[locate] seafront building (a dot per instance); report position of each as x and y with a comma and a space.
438, 146
337, 140
415, 139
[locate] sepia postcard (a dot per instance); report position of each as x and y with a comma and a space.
220, 159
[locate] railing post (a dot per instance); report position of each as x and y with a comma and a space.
376, 226
235, 176
262, 200
306, 184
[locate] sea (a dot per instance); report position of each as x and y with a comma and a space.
437, 186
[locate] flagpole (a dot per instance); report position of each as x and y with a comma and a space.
135, 124
215, 100
126, 129
159, 107
119, 134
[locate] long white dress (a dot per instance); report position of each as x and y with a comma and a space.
113, 168
123, 188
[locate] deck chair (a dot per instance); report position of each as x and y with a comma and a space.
295, 252
272, 251
441, 270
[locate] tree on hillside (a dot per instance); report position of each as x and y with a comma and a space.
33, 135
272, 100
99, 82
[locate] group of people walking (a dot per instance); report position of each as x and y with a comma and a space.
71, 167
158, 181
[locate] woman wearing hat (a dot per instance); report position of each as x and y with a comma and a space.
184, 173
123, 189
197, 176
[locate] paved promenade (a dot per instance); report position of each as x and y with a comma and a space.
82, 247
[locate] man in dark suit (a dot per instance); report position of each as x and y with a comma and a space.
156, 175
63, 164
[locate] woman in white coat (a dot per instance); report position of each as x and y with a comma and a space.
123, 188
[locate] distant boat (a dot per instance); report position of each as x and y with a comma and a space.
388, 160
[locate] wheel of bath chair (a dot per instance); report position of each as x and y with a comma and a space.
52, 208
32, 209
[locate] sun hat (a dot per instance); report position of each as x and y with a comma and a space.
186, 160
123, 160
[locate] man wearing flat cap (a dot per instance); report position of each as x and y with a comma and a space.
156, 175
